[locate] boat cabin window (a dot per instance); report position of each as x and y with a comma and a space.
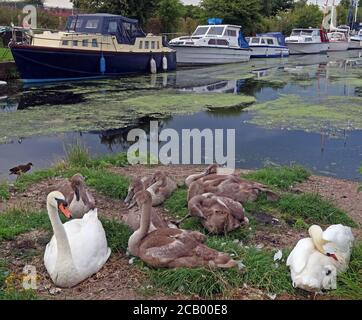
262, 41
75, 43
255, 40
152, 45
212, 41
85, 42
216, 31
94, 43
76, 23
112, 27
222, 42
141, 44
231, 33
270, 41
302, 32
147, 44
158, 44
65, 42
200, 31
91, 24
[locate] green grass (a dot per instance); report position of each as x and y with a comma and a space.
283, 177
260, 272
116, 160
5, 55
176, 204
299, 224
349, 283
13, 294
117, 234
4, 191
77, 154
26, 180
15, 221
309, 207
313, 208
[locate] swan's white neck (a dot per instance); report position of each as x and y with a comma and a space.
63, 247
138, 235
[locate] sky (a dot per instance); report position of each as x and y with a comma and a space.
68, 4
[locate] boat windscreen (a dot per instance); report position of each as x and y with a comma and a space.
200, 31
215, 31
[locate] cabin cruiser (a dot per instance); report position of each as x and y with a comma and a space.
356, 41
307, 41
338, 41
212, 44
93, 45
268, 45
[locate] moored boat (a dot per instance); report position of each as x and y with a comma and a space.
338, 41
356, 41
307, 41
93, 45
268, 45
212, 44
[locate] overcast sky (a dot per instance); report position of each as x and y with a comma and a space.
68, 4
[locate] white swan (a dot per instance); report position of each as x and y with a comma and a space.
315, 261
78, 248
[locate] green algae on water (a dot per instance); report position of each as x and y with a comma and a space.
331, 115
111, 111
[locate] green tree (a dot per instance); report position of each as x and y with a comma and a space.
245, 13
271, 7
169, 13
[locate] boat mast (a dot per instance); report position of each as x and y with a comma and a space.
356, 10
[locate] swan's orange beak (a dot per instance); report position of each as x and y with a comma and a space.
65, 211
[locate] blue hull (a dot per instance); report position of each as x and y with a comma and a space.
42, 64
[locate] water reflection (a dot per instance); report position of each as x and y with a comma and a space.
311, 77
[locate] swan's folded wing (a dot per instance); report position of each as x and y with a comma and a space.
340, 235
299, 256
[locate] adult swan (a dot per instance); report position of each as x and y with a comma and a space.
78, 248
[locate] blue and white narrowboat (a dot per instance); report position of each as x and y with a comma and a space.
92, 46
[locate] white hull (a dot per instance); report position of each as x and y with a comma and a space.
268, 52
355, 44
307, 48
338, 45
210, 55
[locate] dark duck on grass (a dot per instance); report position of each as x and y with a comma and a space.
20, 169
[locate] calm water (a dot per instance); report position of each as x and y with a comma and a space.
324, 153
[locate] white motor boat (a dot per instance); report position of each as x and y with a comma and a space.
212, 44
268, 45
307, 41
356, 41
338, 41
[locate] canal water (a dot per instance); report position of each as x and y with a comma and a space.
307, 110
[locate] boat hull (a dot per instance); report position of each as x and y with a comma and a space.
193, 55
355, 44
43, 64
269, 52
338, 46
307, 48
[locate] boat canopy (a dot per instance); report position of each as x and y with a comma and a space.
124, 29
278, 35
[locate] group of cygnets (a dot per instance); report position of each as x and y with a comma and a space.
79, 247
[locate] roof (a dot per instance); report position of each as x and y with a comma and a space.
106, 15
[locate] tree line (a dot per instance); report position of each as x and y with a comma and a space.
172, 16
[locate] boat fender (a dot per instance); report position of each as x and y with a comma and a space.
3, 83
102, 64
153, 67
164, 63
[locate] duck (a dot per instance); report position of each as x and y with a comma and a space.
230, 186
217, 214
76, 194
162, 188
315, 261
172, 248
20, 169
78, 248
